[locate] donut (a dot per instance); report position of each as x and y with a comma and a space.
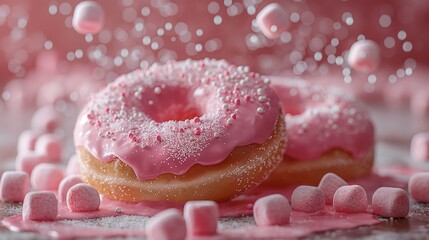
188, 130
327, 129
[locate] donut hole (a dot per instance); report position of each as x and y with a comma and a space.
171, 104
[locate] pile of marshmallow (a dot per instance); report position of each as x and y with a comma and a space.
200, 217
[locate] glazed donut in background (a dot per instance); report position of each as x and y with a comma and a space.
181, 131
327, 131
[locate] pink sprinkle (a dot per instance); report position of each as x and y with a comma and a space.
27, 141
329, 184
14, 185
197, 120
40, 206
83, 198
420, 146
234, 116
181, 130
272, 210
45, 119
197, 131
46, 176
90, 116
247, 98
308, 199
364, 56
249, 206
88, 17
26, 161
350, 199
50, 146
66, 184
390, 202
272, 20
201, 217
418, 187
168, 224
237, 102
158, 138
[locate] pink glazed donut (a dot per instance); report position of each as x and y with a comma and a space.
327, 131
191, 130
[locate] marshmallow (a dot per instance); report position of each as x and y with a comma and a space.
350, 199
329, 184
26, 161
272, 210
66, 184
390, 202
364, 56
308, 199
88, 17
40, 206
201, 217
45, 119
420, 146
168, 224
272, 20
14, 185
46, 176
419, 104
83, 198
418, 187
73, 166
50, 146
27, 141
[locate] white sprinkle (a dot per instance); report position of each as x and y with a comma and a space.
225, 106
262, 98
216, 134
229, 121
118, 210
157, 90
260, 110
259, 91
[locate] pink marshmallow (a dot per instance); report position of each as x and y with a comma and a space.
88, 17
168, 224
14, 185
350, 199
308, 199
272, 20
272, 210
26, 161
46, 176
419, 104
364, 56
66, 184
83, 198
40, 206
329, 184
390, 202
27, 141
201, 217
419, 149
50, 146
45, 119
73, 166
418, 187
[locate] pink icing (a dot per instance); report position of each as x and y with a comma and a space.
319, 120
131, 117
